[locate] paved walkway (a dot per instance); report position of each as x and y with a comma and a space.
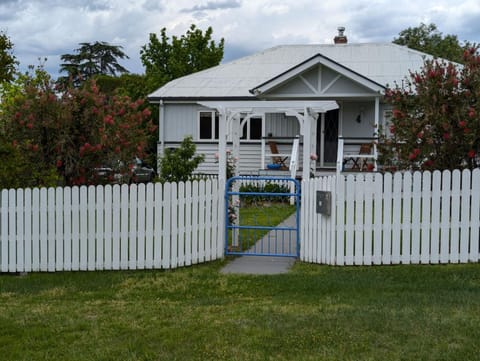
264, 265
259, 265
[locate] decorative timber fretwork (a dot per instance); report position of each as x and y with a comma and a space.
319, 81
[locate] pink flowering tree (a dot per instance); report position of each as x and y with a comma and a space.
73, 132
436, 118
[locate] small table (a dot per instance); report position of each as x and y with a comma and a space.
356, 159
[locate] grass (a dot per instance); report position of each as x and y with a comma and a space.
312, 313
265, 214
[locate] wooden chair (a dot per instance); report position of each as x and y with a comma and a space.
279, 159
360, 162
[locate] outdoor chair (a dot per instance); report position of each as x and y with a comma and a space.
360, 161
277, 159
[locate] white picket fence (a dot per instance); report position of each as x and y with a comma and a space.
405, 218
375, 219
110, 228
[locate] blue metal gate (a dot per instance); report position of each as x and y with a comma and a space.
262, 216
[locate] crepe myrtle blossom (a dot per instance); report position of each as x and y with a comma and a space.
435, 121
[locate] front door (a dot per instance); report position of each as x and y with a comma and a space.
327, 138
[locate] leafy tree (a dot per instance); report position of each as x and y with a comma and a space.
8, 61
135, 87
20, 168
17, 171
74, 132
178, 165
428, 39
436, 118
99, 58
165, 60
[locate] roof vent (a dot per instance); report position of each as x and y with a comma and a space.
340, 38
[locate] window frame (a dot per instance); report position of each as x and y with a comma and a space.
387, 117
214, 118
248, 128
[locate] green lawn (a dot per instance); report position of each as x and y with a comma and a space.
269, 215
196, 313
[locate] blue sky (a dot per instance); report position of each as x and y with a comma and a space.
49, 28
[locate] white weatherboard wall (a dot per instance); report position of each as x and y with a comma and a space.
110, 228
392, 219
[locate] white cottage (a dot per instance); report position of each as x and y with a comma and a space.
328, 96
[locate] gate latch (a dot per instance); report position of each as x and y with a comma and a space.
324, 202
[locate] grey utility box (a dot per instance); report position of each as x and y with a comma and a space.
324, 202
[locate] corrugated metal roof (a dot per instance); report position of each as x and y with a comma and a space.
382, 63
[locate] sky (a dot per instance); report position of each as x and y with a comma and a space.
47, 29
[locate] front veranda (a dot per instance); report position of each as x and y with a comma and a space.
277, 144
234, 114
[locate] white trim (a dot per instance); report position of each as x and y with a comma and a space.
315, 61
321, 156
377, 124
334, 80
246, 121
320, 77
271, 106
310, 86
161, 126
213, 115
262, 147
340, 118
325, 96
387, 116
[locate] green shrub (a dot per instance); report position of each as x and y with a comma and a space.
178, 165
267, 187
17, 170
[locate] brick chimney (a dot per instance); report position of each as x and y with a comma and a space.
340, 38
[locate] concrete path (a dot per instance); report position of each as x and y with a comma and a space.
259, 265
265, 265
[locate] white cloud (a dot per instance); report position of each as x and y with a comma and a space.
53, 27
213, 5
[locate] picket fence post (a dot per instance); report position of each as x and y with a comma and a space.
435, 222
339, 235
158, 237
396, 217
406, 218
465, 216
149, 224
107, 228
475, 217
181, 224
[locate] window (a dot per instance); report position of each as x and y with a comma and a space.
387, 122
208, 126
252, 129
